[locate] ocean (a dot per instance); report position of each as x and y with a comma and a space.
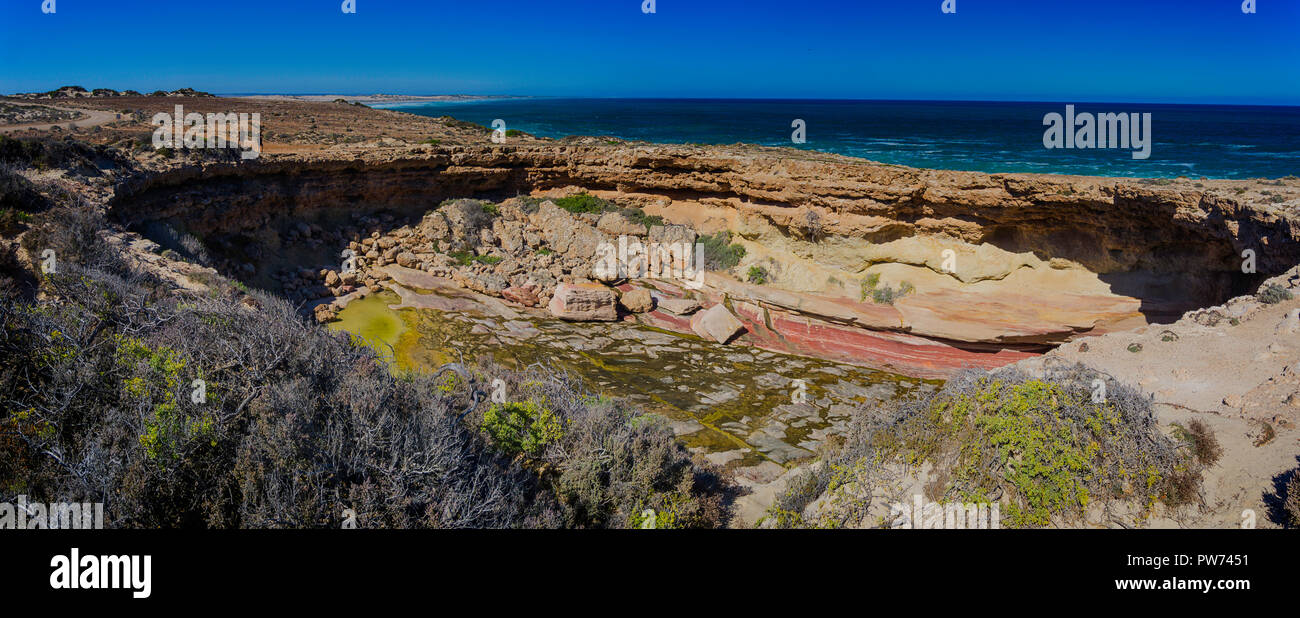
1212, 141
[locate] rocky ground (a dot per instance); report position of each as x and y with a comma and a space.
26, 114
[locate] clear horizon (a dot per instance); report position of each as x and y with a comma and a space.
473, 96
1149, 51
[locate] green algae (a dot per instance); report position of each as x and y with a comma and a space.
372, 323
733, 392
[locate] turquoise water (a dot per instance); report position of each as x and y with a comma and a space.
1188, 140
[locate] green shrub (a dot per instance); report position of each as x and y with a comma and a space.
11, 221
719, 252
636, 215
584, 203
883, 295
1043, 444
521, 427
757, 274
870, 284
1273, 294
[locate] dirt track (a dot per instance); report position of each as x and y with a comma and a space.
92, 118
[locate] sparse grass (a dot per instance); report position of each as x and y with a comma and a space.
1266, 434
465, 258
1292, 504
883, 295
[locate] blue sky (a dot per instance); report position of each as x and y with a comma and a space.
1196, 51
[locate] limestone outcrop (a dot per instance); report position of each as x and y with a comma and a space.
917, 271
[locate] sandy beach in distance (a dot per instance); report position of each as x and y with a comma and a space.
374, 100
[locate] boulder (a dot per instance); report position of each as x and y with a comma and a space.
434, 226
465, 218
615, 224
525, 295
716, 323
565, 233
583, 302
679, 306
637, 300
407, 259
679, 235
511, 235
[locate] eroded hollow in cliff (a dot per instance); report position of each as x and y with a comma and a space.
1036, 273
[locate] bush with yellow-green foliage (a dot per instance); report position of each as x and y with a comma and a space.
521, 427
1043, 447
605, 461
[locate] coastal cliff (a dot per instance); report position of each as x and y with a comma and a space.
1000, 265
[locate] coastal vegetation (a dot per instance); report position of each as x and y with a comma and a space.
1272, 294
584, 203
230, 410
1047, 448
883, 295
719, 252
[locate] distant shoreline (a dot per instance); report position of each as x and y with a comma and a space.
373, 100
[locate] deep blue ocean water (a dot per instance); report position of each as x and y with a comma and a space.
1188, 140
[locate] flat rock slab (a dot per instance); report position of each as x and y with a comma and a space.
716, 323
583, 302
679, 306
446, 295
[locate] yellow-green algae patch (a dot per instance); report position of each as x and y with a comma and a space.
667, 373
371, 322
